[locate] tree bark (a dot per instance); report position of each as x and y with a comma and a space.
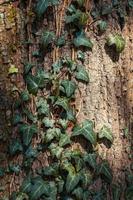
107, 100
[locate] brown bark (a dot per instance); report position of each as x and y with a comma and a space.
107, 100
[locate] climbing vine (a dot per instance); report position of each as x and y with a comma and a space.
45, 112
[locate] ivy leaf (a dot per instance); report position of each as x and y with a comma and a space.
105, 170
129, 193
31, 153
81, 3
72, 181
42, 5
39, 188
51, 170
91, 159
51, 134
47, 38
61, 41
28, 67
105, 132
102, 25
42, 106
56, 151
27, 132
82, 41
82, 75
26, 185
69, 87
15, 147
34, 83
62, 102
17, 118
49, 123
25, 95
130, 3
86, 178
78, 192
117, 41
64, 140
116, 192
86, 130
81, 55
29, 115
13, 69
2, 172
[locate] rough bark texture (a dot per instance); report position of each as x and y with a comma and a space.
107, 100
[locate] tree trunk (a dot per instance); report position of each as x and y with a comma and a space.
106, 100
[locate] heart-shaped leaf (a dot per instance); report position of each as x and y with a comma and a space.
91, 159
104, 169
86, 130
82, 41
69, 87
27, 132
116, 40
64, 140
82, 75
105, 132
72, 181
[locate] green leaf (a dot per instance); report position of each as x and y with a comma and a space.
82, 75
116, 40
56, 151
130, 3
15, 147
13, 69
91, 159
42, 106
86, 178
79, 18
81, 55
51, 170
104, 169
129, 193
14, 168
26, 185
72, 181
42, 6
28, 67
116, 192
34, 83
86, 130
105, 132
69, 87
51, 134
102, 25
31, 153
47, 38
27, 132
62, 102
39, 188
25, 95
2, 172
81, 3
78, 192
82, 41
61, 41
49, 123
17, 118
29, 115
64, 140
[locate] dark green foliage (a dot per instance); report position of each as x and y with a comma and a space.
27, 132
42, 5
47, 38
51, 115
117, 41
15, 147
85, 130
82, 41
